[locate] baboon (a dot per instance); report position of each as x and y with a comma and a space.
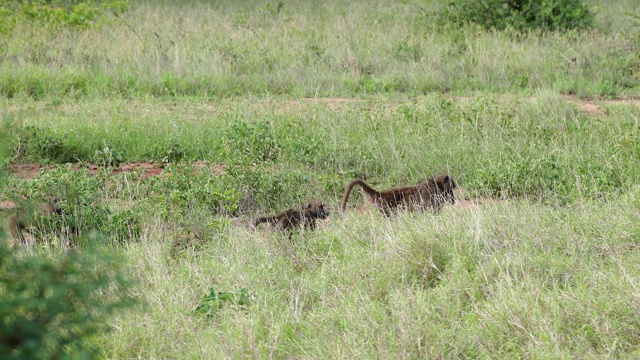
291, 219
18, 223
431, 193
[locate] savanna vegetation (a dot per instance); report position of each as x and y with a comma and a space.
252, 107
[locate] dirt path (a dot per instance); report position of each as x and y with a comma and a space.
29, 171
592, 107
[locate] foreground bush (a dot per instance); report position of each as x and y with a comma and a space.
49, 307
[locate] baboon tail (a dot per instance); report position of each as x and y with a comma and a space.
259, 220
366, 188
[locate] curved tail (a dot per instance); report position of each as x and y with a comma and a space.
267, 219
366, 188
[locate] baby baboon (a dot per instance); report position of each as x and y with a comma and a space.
432, 193
291, 219
25, 217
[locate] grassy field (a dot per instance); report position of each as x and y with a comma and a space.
252, 109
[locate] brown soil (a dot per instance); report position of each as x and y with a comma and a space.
29, 171
595, 107
591, 107
8, 205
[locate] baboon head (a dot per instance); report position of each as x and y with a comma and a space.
446, 184
317, 208
54, 206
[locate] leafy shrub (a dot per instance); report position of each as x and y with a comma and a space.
255, 142
74, 13
49, 307
268, 187
41, 145
173, 151
522, 15
6, 134
184, 187
87, 206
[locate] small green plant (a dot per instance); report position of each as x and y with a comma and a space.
107, 156
87, 207
174, 152
275, 7
215, 300
6, 138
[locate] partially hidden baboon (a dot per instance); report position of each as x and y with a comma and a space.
25, 217
293, 218
432, 193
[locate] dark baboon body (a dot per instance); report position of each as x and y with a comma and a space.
18, 223
432, 193
291, 219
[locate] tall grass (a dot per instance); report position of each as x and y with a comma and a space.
508, 280
307, 50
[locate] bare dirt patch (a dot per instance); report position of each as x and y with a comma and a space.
590, 107
8, 205
593, 107
29, 171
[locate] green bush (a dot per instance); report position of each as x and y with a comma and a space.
183, 188
42, 145
73, 13
49, 307
522, 15
252, 142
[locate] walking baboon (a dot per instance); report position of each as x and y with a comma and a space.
432, 193
18, 223
291, 219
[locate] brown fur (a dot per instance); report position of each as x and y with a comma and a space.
291, 219
25, 217
432, 193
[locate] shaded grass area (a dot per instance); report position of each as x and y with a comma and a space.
306, 49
